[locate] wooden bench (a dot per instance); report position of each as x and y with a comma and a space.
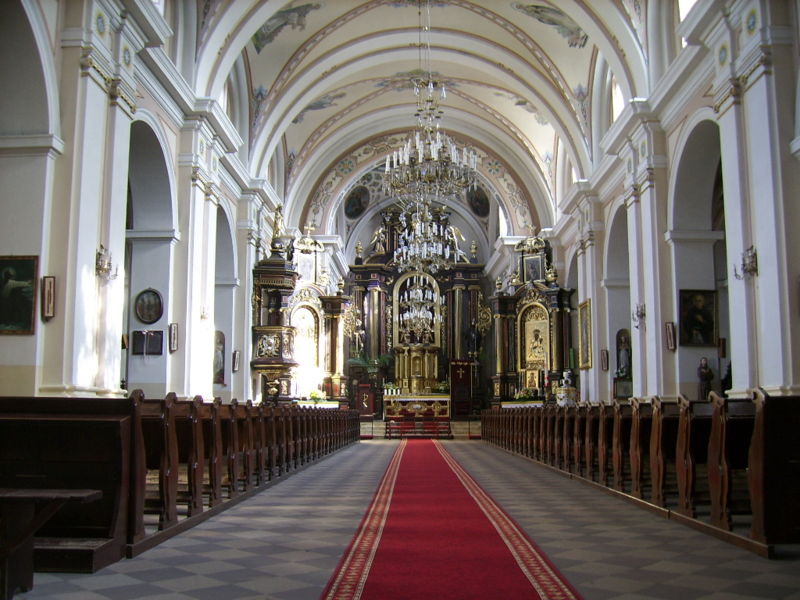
691, 455
663, 443
639, 453
22, 513
53, 443
732, 424
774, 469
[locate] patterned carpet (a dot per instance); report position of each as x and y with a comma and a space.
285, 542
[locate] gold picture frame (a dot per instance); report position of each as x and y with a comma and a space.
585, 334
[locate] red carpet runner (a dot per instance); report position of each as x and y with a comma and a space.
432, 532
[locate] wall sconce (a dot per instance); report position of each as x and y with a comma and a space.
103, 266
638, 315
749, 264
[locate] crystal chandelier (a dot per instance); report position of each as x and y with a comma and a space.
426, 241
419, 314
429, 165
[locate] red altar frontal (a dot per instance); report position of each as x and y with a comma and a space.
429, 405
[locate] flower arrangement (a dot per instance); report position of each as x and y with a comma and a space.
526, 394
316, 396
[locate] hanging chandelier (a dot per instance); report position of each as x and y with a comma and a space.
419, 314
429, 165
426, 241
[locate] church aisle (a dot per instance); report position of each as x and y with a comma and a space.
281, 544
284, 543
610, 549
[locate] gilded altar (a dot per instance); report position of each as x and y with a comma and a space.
534, 352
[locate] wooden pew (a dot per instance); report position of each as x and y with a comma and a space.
558, 432
161, 459
568, 438
732, 424
663, 443
22, 512
620, 443
691, 455
52, 443
191, 457
774, 473
271, 441
247, 444
578, 437
282, 442
605, 431
641, 427
590, 442
231, 453
213, 458
261, 446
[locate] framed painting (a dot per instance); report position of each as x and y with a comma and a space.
669, 334
173, 337
48, 297
604, 359
148, 306
585, 334
18, 294
698, 317
533, 268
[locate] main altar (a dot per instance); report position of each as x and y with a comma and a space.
424, 405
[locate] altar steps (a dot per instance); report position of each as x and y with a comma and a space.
460, 430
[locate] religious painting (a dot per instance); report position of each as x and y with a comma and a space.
148, 306
698, 317
18, 294
535, 338
533, 267
585, 334
478, 202
356, 202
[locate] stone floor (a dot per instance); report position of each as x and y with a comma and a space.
285, 542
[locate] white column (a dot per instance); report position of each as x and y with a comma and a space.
71, 359
589, 270
111, 293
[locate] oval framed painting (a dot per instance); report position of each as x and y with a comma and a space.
148, 306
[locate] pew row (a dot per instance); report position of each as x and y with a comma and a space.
161, 465
728, 467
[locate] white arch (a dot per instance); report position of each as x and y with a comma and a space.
156, 127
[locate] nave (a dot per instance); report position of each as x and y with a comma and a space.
285, 542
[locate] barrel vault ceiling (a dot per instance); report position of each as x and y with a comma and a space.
328, 94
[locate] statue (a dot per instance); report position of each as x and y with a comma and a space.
473, 250
378, 242
278, 227
623, 355
473, 339
359, 249
704, 378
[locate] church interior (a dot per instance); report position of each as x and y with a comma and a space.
243, 236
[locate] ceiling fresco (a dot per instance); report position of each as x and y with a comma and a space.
330, 77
